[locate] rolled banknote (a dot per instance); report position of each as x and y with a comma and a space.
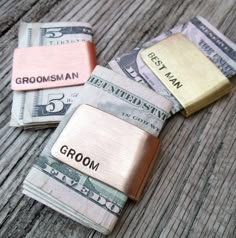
76, 195
46, 107
213, 44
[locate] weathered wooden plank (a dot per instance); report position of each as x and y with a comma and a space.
191, 192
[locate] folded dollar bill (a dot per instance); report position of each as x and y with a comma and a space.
76, 195
212, 43
46, 107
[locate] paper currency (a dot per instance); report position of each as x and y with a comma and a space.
74, 194
220, 50
48, 105
127, 100
25, 103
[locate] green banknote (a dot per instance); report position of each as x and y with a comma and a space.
77, 195
44, 108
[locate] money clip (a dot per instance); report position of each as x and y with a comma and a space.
52, 66
108, 149
186, 72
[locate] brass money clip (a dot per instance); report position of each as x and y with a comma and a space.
52, 66
108, 149
186, 72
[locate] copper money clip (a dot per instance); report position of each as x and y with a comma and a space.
52, 66
108, 149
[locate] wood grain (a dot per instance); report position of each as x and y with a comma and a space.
192, 190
